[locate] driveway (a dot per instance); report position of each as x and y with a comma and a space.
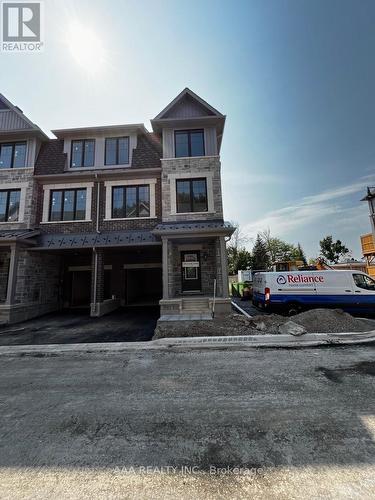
131, 324
188, 423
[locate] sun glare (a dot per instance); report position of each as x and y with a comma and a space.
86, 48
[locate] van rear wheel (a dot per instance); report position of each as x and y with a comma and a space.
294, 308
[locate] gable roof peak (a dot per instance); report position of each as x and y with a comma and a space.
19, 120
187, 104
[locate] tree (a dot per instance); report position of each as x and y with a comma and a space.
238, 256
332, 250
277, 249
300, 254
238, 259
238, 239
260, 258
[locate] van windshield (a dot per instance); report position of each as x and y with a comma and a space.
363, 281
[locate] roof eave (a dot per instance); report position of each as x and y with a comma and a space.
66, 132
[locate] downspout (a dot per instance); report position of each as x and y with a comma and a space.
95, 306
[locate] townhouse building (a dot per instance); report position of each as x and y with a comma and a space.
104, 217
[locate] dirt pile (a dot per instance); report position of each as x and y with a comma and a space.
314, 321
331, 321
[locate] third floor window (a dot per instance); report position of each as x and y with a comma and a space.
189, 143
83, 152
13, 155
117, 151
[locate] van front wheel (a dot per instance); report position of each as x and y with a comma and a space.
294, 308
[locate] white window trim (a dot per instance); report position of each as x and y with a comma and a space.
28, 151
76, 185
21, 211
129, 182
192, 175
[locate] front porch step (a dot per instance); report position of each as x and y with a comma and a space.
195, 306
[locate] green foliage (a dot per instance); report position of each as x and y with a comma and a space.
300, 254
332, 250
260, 257
279, 250
238, 259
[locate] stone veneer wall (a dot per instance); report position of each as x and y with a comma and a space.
15, 176
210, 268
37, 285
4, 271
186, 166
109, 225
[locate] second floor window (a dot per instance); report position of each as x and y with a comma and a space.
130, 201
13, 155
83, 152
191, 195
67, 205
117, 151
189, 143
10, 205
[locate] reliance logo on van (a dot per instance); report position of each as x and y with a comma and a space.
300, 278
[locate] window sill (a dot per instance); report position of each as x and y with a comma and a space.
15, 168
63, 221
192, 213
100, 167
190, 157
129, 218
12, 222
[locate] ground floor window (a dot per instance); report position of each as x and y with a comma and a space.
130, 201
191, 195
67, 205
10, 205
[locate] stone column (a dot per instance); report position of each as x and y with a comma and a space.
12, 274
224, 266
165, 267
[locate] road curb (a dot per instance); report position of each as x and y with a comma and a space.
244, 341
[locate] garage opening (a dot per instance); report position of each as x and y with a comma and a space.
143, 285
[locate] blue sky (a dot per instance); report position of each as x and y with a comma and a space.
295, 78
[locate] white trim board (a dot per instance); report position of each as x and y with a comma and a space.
192, 175
71, 185
129, 182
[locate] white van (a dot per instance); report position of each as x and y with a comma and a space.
293, 291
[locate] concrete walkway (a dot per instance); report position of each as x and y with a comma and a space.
241, 342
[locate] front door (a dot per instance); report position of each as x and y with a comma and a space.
191, 271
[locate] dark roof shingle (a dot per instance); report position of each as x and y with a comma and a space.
147, 153
51, 158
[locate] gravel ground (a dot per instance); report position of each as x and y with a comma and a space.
315, 321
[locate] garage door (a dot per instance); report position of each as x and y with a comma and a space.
143, 286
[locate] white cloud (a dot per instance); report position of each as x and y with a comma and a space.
309, 209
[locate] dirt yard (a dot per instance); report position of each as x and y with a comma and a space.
314, 321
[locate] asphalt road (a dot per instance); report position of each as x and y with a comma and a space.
299, 423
